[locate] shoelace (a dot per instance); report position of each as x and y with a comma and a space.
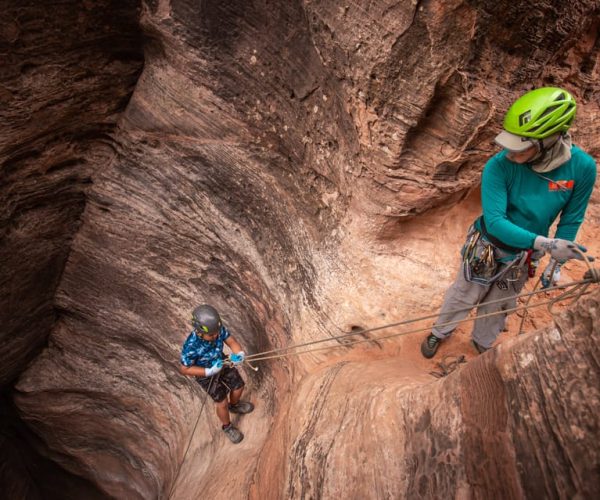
432, 341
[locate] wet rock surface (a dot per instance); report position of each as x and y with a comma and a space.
308, 168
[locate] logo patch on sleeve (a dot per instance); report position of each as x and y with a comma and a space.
561, 185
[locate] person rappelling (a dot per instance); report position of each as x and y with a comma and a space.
538, 176
202, 357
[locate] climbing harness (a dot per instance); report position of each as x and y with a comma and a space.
447, 365
495, 241
479, 264
479, 261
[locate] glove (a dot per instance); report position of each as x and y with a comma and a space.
237, 358
216, 367
589, 275
547, 280
561, 250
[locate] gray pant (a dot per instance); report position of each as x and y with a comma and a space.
463, 294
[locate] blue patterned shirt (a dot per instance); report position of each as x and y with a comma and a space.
198, 352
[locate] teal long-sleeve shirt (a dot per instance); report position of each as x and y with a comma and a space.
519, 204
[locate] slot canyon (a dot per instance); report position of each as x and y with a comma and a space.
310, 168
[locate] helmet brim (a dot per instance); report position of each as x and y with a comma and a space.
512, 142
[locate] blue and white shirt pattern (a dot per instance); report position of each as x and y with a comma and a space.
198, 352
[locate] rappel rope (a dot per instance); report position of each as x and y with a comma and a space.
570, 288
580, 285
278, 353
192, 435
595, 279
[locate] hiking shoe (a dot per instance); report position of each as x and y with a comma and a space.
480, 349
430, 345
241, 407
234, 434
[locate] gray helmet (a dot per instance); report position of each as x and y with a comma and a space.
206, 319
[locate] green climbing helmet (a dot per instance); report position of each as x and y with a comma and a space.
541, 113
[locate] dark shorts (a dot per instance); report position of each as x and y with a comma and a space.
219, 385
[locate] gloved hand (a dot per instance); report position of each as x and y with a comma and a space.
589, 275
547, 280
237, 358
216, 367
561, 250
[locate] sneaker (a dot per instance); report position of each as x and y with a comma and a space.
234, 434
480, 348
241, 407
430, 346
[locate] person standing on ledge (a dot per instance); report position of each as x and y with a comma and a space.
202, 357
538, 176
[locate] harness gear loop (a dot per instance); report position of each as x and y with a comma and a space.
516, 269
479, 261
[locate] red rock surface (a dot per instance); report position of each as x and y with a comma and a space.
67, 73
308, 168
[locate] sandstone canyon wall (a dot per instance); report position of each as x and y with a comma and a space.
66, 74
309, 168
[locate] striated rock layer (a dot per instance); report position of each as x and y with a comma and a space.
67, 73
308, 168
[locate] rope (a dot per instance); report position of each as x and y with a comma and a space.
594, 279
447, 365
192, 434
284, 352
426, 328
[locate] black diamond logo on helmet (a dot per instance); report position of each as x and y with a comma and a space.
524, 118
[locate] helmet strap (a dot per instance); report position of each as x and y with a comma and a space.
543, 149
553, 155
